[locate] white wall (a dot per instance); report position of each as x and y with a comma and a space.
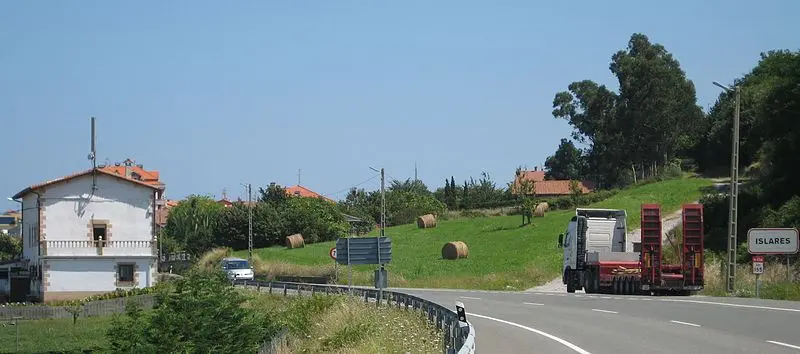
70, 206
93, 274
30, 222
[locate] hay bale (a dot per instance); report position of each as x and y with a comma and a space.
426, 221
295, 241
540, 209
455, 250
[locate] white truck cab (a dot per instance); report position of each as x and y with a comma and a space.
591, 231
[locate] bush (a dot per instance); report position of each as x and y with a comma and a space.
404, 207
570, 202
201, 313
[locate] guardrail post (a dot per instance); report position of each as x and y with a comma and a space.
284, 289
258, 286
270, 286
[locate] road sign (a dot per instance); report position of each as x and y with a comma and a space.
772, 241
364, 250
332, 253
758, 264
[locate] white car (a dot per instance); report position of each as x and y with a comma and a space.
237, 269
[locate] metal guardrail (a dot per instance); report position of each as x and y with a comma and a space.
459, 336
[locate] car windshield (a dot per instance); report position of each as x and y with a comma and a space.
237, 265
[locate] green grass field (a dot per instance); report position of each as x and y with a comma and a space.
502, 254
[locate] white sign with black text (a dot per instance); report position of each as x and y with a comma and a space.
772, 241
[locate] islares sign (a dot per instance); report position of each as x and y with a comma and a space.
772, 241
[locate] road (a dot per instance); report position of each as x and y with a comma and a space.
551, 322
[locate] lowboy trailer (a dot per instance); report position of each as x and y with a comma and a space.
598, 258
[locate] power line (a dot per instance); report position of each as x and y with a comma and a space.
353, 186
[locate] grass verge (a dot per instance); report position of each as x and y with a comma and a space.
502, 254
774, 282
331, 324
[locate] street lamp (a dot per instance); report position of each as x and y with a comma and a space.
733, 208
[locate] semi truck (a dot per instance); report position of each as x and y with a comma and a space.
598, 257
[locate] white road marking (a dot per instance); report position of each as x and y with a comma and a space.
734, 305
606, 311
686, 323
533, 303
564, 342
605, 297
784, 344
470, 297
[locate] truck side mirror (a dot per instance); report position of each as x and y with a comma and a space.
560, 240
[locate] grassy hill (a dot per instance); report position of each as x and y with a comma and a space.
502, 254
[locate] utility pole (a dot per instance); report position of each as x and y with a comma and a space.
383, 203
733, 208
249, 222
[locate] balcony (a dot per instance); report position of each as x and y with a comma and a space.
99, 248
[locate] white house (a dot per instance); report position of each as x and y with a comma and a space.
88, 233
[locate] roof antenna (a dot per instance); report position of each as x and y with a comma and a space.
93, 156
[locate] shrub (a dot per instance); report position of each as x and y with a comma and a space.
200, 313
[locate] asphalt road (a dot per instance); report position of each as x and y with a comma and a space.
541, 322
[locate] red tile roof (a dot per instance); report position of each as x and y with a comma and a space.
301, 191
84, 173
560, 187
149, 177
533, 176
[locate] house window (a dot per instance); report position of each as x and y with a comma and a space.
99, 232
125, 273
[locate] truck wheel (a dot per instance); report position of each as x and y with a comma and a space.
628, 286
571, 281
615, 286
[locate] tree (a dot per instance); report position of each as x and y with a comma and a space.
274, 194
409, 185
568, 162
193, 223
641, 128
202, 314
525, 193
10, 247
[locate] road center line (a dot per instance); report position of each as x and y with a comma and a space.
470, 297
734, 305
550, 336
783, 344
686, 323
606, 311
533, 303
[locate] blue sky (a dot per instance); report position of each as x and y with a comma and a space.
214, 94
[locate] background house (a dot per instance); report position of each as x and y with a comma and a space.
548, 188
88, 233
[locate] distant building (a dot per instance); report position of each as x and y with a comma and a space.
548, 188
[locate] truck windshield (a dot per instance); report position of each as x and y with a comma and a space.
237, 265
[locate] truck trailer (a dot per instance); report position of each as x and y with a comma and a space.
598, 258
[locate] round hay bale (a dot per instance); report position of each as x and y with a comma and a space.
426, 221
455, 250
540, 209
295, 241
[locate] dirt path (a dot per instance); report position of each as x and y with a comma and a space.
668, 222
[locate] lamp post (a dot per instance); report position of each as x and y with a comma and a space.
733, 208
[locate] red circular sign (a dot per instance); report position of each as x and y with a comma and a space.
332, 253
